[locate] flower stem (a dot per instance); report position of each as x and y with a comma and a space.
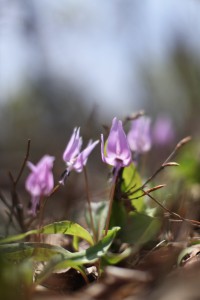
41, 215
89, 204
112, 192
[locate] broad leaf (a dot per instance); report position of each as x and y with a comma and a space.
132, 181
18, 252
140, 229
119, 214
68, 227
63, 227
99, 214
16, 280
58, 257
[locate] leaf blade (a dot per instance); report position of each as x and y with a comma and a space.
63, 227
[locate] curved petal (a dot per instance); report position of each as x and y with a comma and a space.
73, 147
40, 181
124, 149
112, 138
34, 202
118, 152
31, 166
32, 185
139, 137
102, 148
82, 158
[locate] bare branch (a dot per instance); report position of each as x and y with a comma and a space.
165, 164
24, 162
179, 217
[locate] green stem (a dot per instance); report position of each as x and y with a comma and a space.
41, 215
112, 192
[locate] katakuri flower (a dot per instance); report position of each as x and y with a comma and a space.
118, 153
74, 159
139, 137
163, 131
40, 182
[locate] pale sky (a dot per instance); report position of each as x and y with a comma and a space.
96, 46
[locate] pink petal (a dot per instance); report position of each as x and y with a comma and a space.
82, 158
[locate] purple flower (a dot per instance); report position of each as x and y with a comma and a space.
163, 131
73, 148
40, 182
74, 159
118, 153
139, 137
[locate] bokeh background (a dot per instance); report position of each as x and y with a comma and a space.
67, 63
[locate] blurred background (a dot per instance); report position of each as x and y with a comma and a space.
67, 63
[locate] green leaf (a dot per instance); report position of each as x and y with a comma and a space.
40, 252
68, 227
99, 214
75, 243
58, 257
44, 252
16, 280
55, 264
118, 215
132, 180
63, 227
140, 229
18, 252
17, 237
115, 258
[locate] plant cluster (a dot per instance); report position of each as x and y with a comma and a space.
117, 229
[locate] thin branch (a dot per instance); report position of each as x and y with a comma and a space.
165, 164
16, 204
192, 222
178, 146
24, 162
134, 116
4, 201
155, 188
54, 190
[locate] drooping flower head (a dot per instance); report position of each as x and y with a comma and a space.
73, 148
74, 159
118, 153
163, 131
139, 137
40, 181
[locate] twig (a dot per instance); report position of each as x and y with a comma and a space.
4, 201
24, 162
54, 190
165, 164
178, 146
192, 222
155, 188
7, 212
16, 204
15, 181
134, 116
